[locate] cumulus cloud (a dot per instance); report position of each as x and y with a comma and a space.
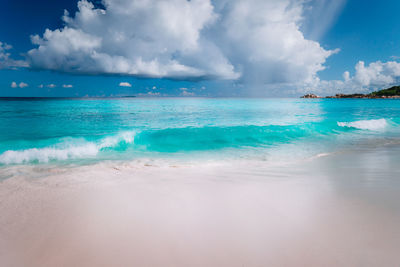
154, 94
188, 94
254, 40
67, 86
377, 73
20, 85
52, 85
6, 62
125, 84
374, 76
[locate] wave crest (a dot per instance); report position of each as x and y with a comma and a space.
64, 151
47, 154
373, 125
112, 141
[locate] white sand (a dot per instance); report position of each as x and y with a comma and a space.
207, 215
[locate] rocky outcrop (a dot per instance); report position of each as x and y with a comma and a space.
310, 96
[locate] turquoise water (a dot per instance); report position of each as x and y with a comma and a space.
91, 130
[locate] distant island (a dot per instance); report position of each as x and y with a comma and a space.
391, 93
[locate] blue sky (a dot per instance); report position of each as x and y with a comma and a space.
198, 48
365, 30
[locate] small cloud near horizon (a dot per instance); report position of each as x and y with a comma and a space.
67, 86
125, 84
20, 85
150, 94
186, 93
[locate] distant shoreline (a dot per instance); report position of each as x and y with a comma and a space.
390, 93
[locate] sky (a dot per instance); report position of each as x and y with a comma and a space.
211, 48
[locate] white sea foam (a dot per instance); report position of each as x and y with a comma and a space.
373, 125
48, 153
64, 151
112, 141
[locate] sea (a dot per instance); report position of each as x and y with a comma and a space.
76, 132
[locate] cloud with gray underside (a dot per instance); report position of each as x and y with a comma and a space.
258, 40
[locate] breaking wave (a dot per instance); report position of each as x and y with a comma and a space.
65, 151
373, 125
131, 144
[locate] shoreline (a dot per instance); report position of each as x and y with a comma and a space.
352, 96
331, 210
389, 93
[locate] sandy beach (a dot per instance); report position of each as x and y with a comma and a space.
337, 210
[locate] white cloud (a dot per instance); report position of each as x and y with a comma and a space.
377, 73
186, 93
20, 85
6, 62
264, 37
154, 94
346, 76
40, 85
374, 76
257, 40
125, 84
52, 85
150, 94
67, 86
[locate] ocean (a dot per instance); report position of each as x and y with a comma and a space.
73, 132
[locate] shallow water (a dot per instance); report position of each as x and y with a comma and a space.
81, 131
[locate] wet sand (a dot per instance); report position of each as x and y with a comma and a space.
338, 210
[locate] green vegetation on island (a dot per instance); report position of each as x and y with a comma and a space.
392, 92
